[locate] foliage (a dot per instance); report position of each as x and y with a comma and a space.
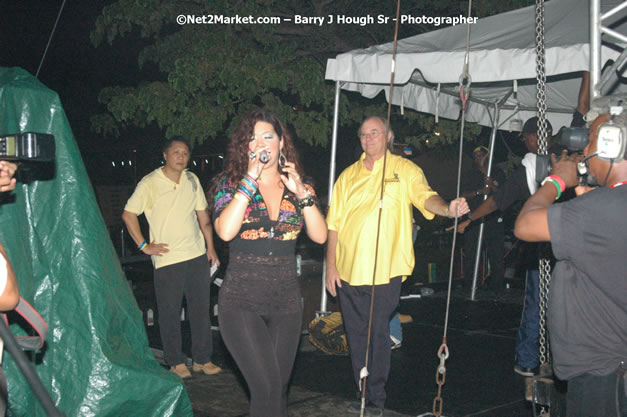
203, 76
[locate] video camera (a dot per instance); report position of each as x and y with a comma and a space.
35, 153
28, 146
611, 136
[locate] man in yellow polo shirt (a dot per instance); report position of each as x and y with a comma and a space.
352, 221
177, 212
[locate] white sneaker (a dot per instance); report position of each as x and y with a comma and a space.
395, 343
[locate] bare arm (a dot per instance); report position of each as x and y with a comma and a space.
455, 208
132, 225
487, 207
229, 222
315, 223
333, 276
314, 220
204, 221
10, 297
532, 223
583, 102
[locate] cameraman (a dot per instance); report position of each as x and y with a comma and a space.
587, 314
9, 294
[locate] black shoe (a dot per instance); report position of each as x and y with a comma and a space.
520, 370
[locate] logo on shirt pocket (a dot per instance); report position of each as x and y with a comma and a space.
392, 189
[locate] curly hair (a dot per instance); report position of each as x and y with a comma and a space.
236, 160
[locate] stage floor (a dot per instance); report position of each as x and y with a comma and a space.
479, 381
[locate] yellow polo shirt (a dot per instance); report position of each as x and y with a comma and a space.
170, 209
354, 212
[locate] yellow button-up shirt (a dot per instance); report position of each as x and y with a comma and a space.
170, 209
354, 211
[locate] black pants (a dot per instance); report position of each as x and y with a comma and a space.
264, 347
493, 241
189, 278
355, 304
597, 396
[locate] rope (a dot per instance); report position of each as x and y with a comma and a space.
50, 39
443, 351
363, 374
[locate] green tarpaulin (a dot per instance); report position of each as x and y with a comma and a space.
96, 361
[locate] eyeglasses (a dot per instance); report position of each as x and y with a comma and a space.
370, 135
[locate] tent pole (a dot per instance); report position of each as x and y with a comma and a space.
610, 77
595, 49
495, 126
336, 109
602, 83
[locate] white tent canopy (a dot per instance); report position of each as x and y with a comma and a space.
502, 49
502, 54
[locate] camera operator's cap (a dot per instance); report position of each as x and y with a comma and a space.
531, 126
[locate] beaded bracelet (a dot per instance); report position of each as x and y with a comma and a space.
308, 201
556, 184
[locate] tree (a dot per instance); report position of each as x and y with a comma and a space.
210, 73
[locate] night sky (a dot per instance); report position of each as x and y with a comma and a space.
77, 72
72, 67
75, 69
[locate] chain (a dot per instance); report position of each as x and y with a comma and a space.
440, 379
545, 283
544, 267
541, 78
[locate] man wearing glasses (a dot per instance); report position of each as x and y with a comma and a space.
353, 245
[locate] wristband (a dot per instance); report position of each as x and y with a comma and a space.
140, 247
469, 217
560, 181
555, 183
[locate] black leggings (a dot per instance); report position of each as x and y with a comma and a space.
264, 347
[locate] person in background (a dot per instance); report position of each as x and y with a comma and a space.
181, 247
475, 189
261, 204
519, 187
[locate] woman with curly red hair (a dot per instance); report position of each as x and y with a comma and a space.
261, 205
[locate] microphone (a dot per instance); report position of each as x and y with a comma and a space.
264, 157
